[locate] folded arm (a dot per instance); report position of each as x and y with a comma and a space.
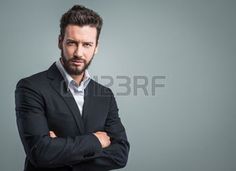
40, 148
116, 155
105, 150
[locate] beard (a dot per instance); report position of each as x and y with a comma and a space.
72, 69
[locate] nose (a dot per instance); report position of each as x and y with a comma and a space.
79, 51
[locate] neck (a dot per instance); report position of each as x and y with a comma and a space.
78, 78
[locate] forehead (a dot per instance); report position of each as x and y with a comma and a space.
81, 33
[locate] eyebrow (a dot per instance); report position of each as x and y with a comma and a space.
71, 40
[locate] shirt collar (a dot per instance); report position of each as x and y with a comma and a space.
69, 80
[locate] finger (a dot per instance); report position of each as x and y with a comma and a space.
52, 134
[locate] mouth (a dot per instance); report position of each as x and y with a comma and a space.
77, 62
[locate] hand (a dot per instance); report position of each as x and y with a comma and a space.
103, 138
52, 134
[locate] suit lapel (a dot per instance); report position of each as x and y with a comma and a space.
59, 85
89, 100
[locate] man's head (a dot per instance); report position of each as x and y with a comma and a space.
78, 39
81, 16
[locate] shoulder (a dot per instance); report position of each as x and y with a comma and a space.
33, 80
41, 78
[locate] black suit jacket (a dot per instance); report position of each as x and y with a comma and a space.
43, 103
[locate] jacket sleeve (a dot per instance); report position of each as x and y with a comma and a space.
116, 155
40, 148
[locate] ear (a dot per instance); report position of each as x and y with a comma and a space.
96, 49
60, 42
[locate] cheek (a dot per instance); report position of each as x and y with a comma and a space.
88, 57
89, 54
68, 51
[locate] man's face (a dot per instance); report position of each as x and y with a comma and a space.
78, 48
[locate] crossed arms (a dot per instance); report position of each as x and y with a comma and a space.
108, 149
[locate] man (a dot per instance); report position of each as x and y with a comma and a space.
66, 120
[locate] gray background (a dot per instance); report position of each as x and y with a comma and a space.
189, 125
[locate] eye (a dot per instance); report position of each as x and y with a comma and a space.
70, 43
87, 45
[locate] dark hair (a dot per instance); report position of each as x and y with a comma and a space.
81, 16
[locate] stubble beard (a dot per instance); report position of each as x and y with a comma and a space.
73, 70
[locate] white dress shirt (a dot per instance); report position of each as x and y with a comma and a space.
76, 90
